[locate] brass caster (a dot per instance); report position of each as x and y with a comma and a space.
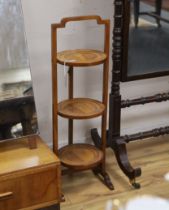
135, 184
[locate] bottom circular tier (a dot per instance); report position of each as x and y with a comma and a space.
80, 156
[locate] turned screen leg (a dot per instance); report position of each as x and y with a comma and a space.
118, 144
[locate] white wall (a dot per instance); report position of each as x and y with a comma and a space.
38, 16
13, 50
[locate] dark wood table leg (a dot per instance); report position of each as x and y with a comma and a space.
136, 11
158, 6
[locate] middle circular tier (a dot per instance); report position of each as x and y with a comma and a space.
80, 108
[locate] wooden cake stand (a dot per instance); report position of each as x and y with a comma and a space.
79, 157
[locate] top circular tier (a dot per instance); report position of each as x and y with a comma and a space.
85, 57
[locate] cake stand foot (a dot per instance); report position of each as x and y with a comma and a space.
104, 177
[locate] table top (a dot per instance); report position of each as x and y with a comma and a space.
15, 155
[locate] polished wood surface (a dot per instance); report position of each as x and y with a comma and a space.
54, 30
80, 156
17, 156
81, 57
85, 192
29, 179
80, 108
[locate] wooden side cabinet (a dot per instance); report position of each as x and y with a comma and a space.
29, 179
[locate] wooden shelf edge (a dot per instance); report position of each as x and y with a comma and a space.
72, 156
80, 108
81, 57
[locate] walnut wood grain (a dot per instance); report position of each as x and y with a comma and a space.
16, 154
6, 195
29, 179
80, 108
80, 156
81, 57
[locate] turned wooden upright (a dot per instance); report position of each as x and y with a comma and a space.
81, 156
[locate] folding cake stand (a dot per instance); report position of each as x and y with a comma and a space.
78, 157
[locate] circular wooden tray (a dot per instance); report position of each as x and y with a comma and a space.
81, 57
80, 108
80, 156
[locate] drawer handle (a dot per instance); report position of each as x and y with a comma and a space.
6, 195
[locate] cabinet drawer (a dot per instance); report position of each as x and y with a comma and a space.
31, 190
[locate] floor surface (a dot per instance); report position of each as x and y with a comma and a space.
84, 191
